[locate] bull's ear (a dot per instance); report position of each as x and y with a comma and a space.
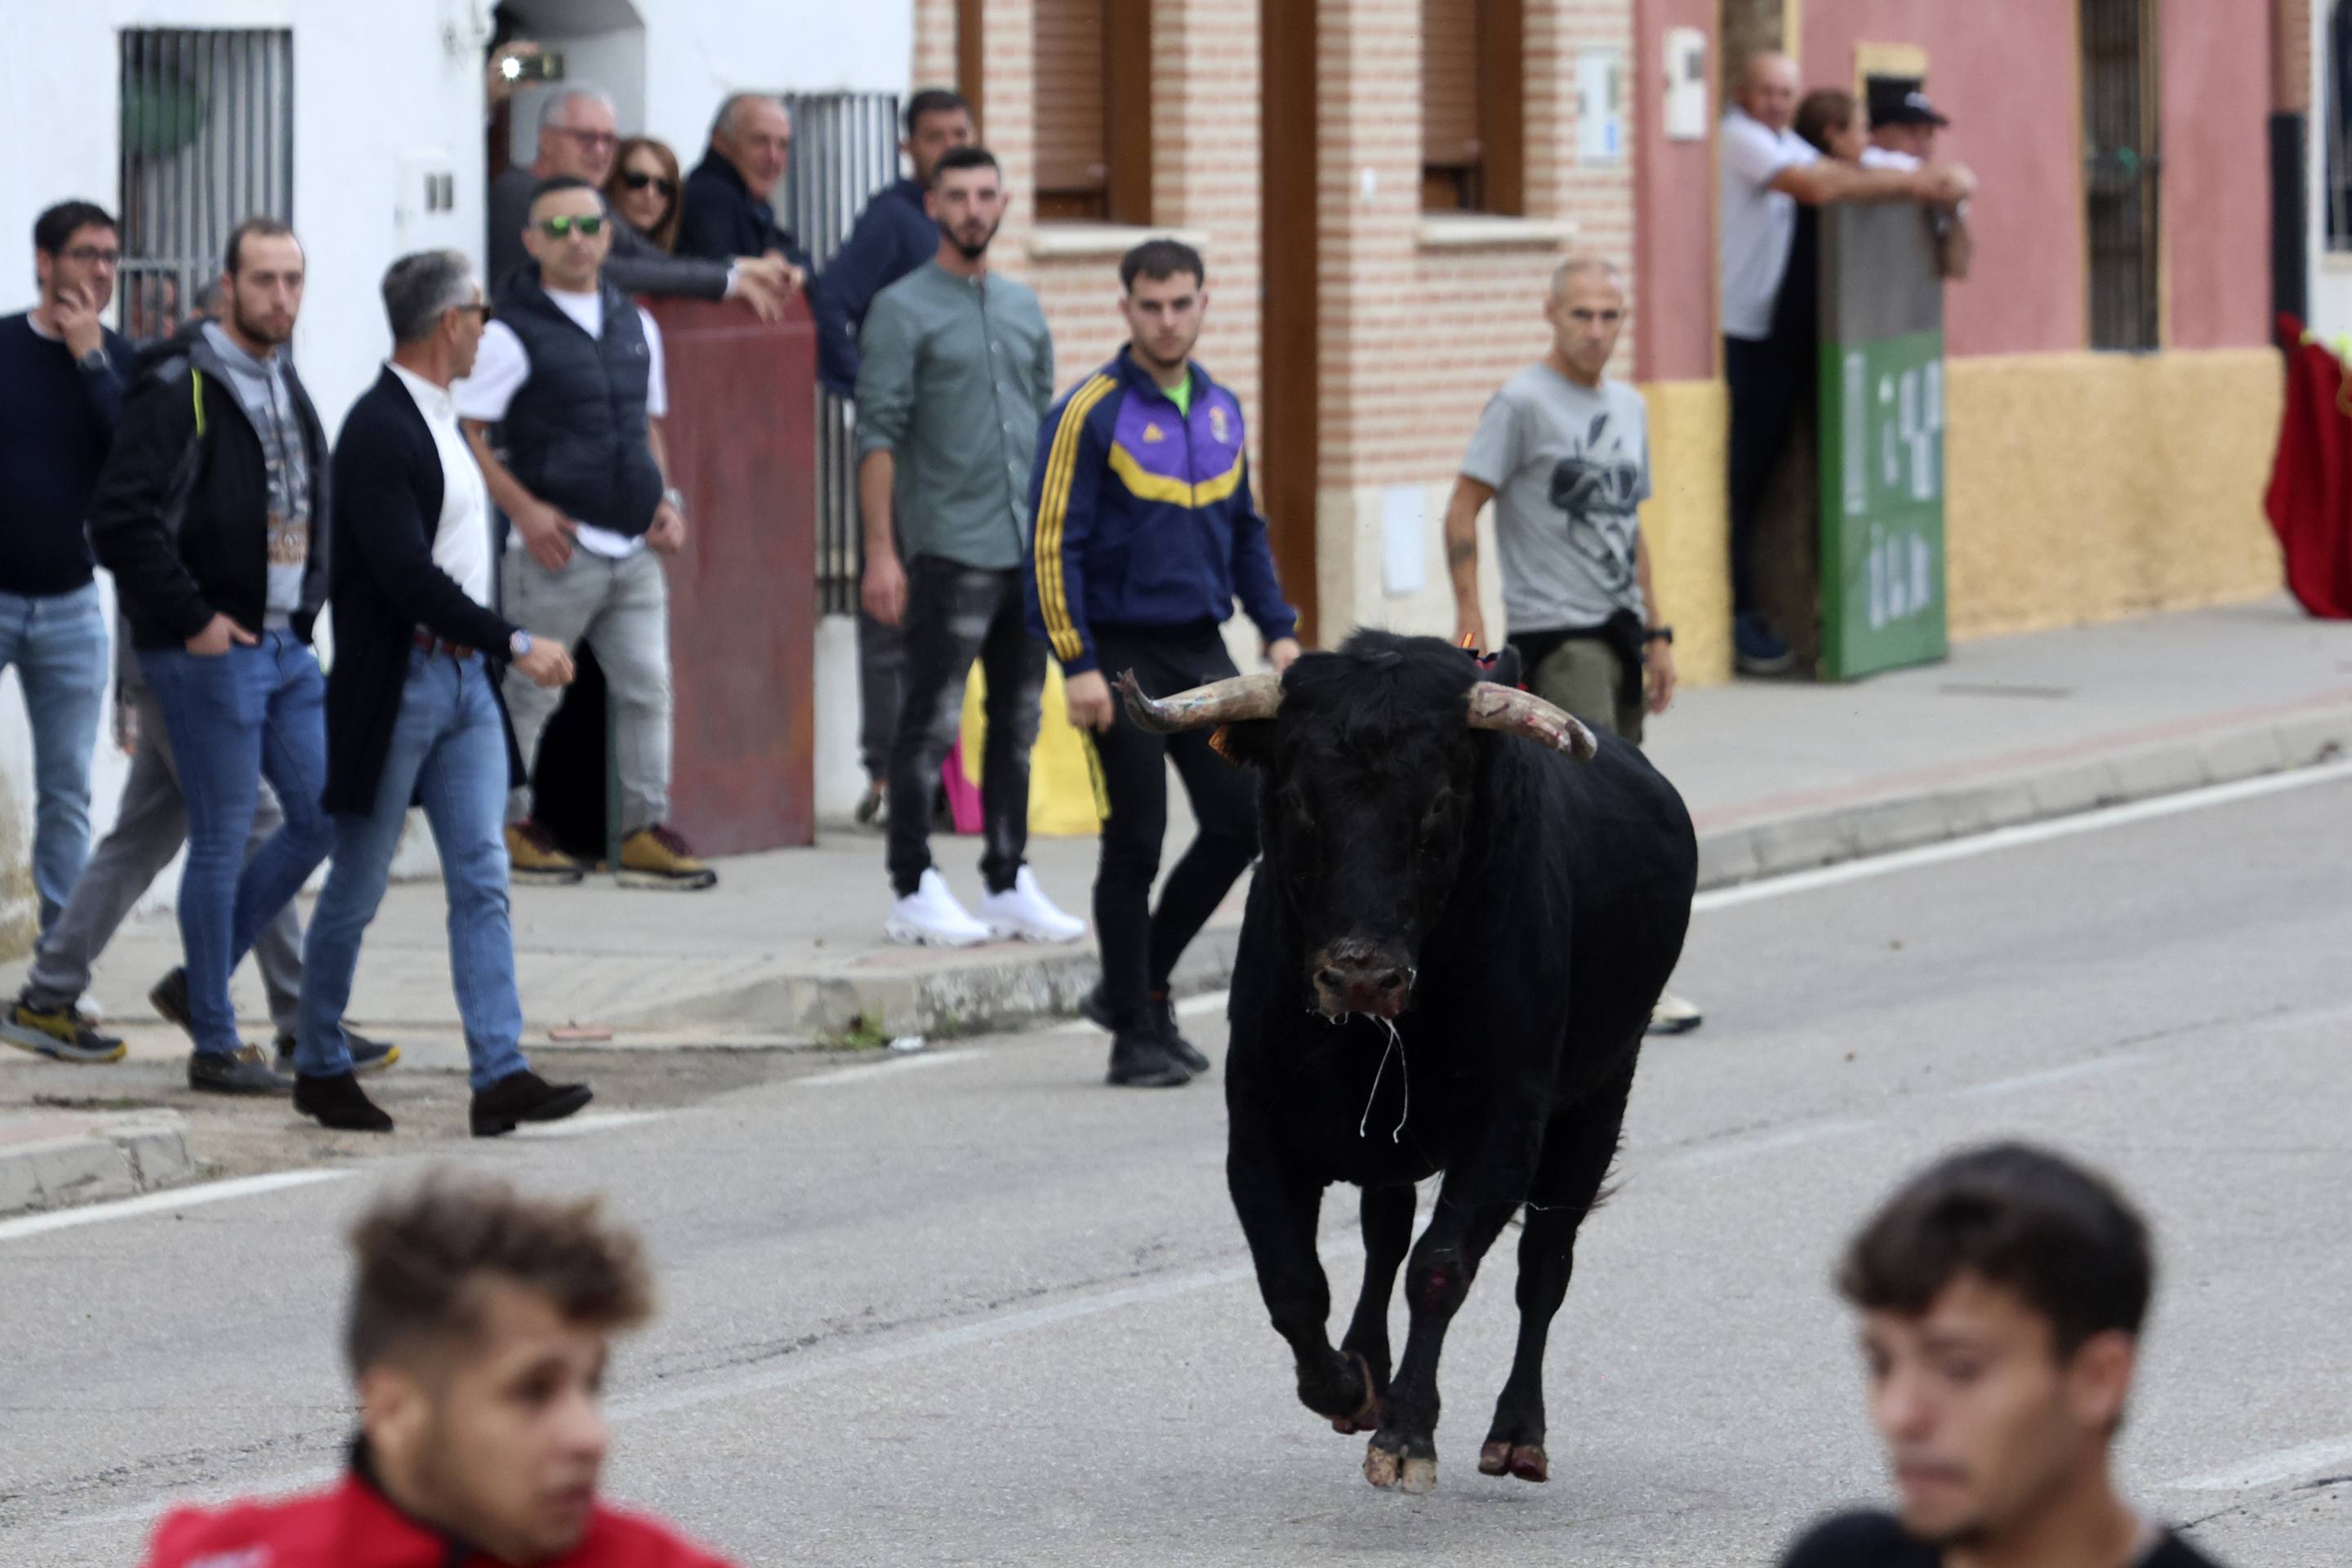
1248, 744
1507, 668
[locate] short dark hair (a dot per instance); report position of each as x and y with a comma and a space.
1158, 259
53, 228
555, 183
935, 100
965, 157
257, 227
2017, 1216
424, 1256
1824, 110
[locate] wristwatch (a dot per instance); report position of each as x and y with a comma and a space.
1659, 634
520, 644
676, 498
95, 361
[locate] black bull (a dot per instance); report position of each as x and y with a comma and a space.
1466, 908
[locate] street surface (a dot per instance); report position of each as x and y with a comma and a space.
972, 1308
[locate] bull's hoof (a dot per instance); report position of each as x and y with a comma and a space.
1524, 1460
1391, 1466
1366, 1418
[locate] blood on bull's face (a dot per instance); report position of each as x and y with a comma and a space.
1371, 758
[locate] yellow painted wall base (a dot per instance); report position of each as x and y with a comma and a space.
1686, 522
2085, 487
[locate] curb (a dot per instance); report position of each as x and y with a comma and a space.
1805, 841
57, 1162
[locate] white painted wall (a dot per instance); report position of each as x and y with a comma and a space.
384, 94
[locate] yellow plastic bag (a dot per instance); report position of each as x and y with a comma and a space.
1065, 787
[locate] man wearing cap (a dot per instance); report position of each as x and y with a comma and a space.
1903, 125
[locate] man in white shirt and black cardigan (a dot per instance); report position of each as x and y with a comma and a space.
413, 713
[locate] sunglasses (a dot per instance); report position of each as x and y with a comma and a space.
483, 306
638, 180
558, 227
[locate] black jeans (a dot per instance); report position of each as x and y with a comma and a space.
1766, 378
1139, 949
956, 614
881, 692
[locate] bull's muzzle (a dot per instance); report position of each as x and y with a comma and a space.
1357, 977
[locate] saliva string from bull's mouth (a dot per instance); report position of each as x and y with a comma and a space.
1404, 1071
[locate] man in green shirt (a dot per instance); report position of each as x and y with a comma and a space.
958, 368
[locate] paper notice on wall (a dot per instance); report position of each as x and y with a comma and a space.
1601, 106
1404, 542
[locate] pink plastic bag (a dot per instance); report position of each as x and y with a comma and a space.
963, 795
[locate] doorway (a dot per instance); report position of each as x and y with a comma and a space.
1289, 301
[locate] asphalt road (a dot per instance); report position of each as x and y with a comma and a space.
972, 1308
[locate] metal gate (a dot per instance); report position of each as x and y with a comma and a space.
207, 141
2122, 171
844, 149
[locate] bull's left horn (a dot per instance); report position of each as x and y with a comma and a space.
1516, 712
1234, 701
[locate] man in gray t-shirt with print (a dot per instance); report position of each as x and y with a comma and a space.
1564, 454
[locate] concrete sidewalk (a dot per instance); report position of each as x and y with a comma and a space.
1778, 777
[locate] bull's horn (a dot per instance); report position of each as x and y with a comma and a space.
1516, 712
1234, 701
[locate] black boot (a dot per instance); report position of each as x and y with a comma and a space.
240, 1071
1139, 1060
524, 1097
336, 1101
1163, 1019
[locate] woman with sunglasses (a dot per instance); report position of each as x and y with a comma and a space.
642, 190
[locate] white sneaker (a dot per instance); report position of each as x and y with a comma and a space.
1023, 910
1675, 1014
931, 916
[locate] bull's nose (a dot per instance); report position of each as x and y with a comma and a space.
1376, 988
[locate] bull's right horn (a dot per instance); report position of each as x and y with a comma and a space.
1234, 701
1515, 713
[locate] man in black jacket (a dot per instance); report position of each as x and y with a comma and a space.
413, 710
730, 196
204, 514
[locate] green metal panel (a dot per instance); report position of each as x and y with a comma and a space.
1881, 504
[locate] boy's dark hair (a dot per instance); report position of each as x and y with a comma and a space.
53, 228
1158, 259
424, 1256
934, 101
965, 157
2017, 1216
232, 257
555, 183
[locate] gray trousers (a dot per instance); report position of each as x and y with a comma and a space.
148, 831
620, 608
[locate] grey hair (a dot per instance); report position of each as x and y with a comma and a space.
723, 120
1587, 264
419, 288
550, 110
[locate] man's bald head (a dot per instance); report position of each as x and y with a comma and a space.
1768, 89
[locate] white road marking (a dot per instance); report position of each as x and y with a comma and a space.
2268, 1469
164, 1203
2018, 837
1194, 1006
2050, 1075
591, 1122
890, 1068
1763, 1143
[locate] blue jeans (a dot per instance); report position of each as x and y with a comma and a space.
57, 643
449, 751
250, 712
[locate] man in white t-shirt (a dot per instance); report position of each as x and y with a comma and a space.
1769, 169
572, 374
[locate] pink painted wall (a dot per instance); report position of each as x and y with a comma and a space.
2005, 71
1673, 210
2216, 211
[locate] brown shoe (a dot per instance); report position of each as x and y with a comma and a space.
658, 858
536, 860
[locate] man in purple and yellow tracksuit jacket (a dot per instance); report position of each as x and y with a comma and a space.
1146, 532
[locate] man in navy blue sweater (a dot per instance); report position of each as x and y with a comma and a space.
893, 237
61, 379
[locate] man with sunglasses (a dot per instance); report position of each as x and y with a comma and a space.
572, 374
578, 138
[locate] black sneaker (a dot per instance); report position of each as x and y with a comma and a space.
336, 1101
241, 1071
367, 1056
59, 1033
1139, 1060
170, 998
524, 1097
1161, 1018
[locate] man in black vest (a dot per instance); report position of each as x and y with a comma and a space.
572, 371
413, 710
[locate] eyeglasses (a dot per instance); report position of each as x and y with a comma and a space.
590, 138
558, 227
638, 180
481, 305
89, 255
